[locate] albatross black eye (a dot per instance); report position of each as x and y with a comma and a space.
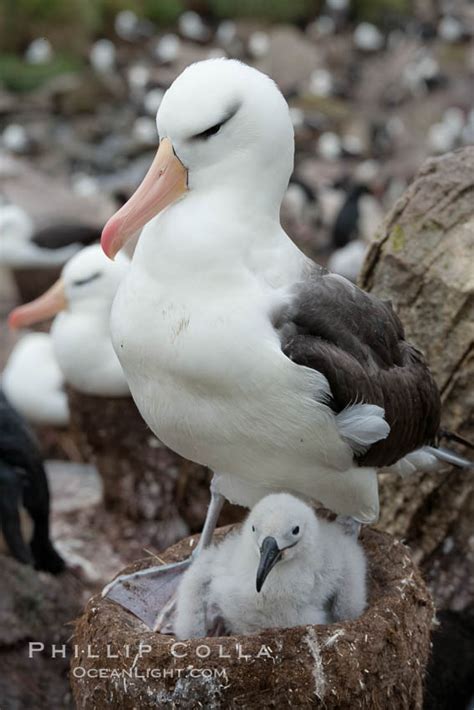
82, 282
210, 131
296, 530
253, 528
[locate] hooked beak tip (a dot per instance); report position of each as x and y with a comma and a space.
12, 320
164, 183
270, 554
40, 309
107, 241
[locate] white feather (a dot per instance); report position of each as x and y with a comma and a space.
16, 247
33, 382
361, 425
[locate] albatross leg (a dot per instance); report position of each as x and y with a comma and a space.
164, 622
210, 523
150, 593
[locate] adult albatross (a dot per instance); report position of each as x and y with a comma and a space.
240, 352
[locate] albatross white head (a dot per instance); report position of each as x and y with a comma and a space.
281, 528
81, 301
223, 127
88, 283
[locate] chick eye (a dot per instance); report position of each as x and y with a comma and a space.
296, 530
253, 528
82, 282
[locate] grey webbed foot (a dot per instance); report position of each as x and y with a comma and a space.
147, 592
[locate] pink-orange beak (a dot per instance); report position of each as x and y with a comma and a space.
165, 181
42, 308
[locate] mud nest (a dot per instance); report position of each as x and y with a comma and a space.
34, 281
377, 661
142, 479
57, 443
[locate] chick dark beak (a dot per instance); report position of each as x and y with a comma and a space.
270, 554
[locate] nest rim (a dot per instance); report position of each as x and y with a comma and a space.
399, 607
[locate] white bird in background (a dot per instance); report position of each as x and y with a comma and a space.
16, 247
167, 48
348, 260
367, 37
39, 51
103, 56
240, 352
285, 567
192, 27
15, 138
21, 245
33, 382
81, 301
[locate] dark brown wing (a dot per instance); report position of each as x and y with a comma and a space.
57, 236
357, 342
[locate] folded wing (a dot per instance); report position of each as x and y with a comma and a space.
358, 343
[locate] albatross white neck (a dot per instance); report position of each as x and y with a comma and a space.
210, 230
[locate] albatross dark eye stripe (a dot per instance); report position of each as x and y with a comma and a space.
82, 282
209, 131
217, 126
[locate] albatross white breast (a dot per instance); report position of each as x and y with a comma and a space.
240, 352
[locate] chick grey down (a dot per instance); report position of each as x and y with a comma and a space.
320, 578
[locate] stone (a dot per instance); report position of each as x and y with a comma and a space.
422, 261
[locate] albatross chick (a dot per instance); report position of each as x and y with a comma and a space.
284, 568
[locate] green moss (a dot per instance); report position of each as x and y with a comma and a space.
333, 108
274, 10
163, 12
17, 75
85, 11
19, 17
378, 10
397, 238
68, 25
452, 55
